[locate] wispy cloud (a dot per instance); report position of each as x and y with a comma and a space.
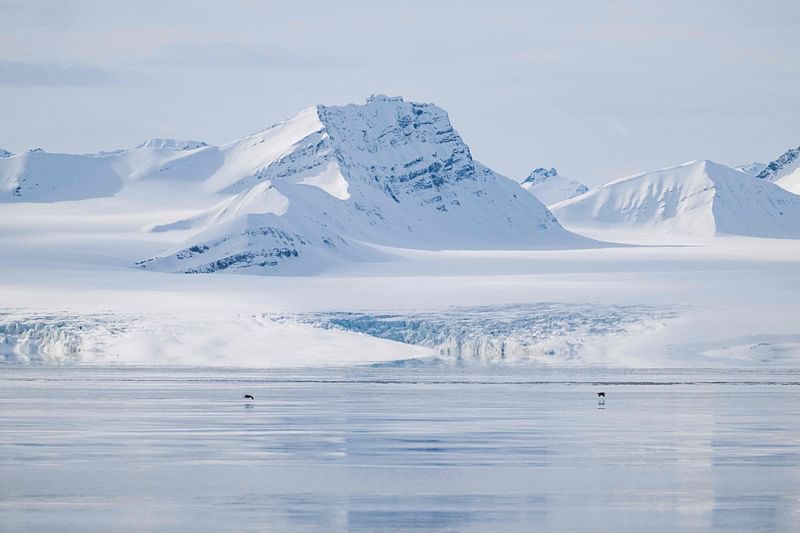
229, 55
38, 74
629, 33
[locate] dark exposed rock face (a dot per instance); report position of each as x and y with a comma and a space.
541, 175
774, 169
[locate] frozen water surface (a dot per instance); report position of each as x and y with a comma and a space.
431, 448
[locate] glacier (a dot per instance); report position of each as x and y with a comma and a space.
541, 332
378, 213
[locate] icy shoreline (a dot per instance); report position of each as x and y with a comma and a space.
545, 332
542, 332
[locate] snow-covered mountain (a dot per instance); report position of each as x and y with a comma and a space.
550, 188
752, 168
699, 198
39, 176
317, 187
322, 187
172, 144
5, 153
784, 171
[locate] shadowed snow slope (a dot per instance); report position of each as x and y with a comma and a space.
784, 171
550, 188
700, 198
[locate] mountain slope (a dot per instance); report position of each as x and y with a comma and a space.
784, 171
332, 184
699, 198
324, 185
39, 176
752, 168
550, 188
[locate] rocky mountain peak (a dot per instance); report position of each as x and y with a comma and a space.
540, 175
172, 144
774, 169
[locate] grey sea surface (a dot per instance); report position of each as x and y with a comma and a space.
398, 448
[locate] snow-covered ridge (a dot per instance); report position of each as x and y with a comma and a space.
540, 175
172, 144
699, 198
550, 188
5, 153
753, 168
320, 189
776, 167
39, 176
784, 171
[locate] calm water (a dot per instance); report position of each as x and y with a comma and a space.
393, 449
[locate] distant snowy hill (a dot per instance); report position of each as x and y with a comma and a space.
300, 196
784, 171
699, 198
5, 153
752, 168
39, 176
172, 144
550, 188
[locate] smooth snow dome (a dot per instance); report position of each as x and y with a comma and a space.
38, 176
699, 198
550, 188
784, 171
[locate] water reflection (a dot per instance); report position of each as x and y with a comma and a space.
428, 449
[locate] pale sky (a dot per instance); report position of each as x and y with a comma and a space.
598, 89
